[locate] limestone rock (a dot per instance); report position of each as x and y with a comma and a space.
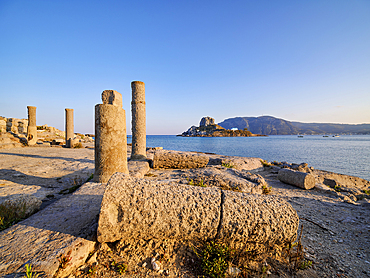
257, 219
206, 121
179, 160
227, 179
138, 169
299, 179
112, 97
28, 203
139, 208
64, 228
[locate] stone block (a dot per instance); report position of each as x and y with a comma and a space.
112, 97
296, 178
257, 219
179, 160
139, 208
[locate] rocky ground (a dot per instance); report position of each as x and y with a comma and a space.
334, 217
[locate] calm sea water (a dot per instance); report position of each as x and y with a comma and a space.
347, 154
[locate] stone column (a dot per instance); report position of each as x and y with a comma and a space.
110, 137
138, 121
32, 128
69, 128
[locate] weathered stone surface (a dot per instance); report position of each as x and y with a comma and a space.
206, 121
239, 163
138, 169
299, 179
228, 179
178, 160
257, 219
110, 141
139, 208
69, 128
112, 97
138, 112
29, 203
68, 225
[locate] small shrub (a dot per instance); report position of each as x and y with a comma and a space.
367, 192
77, 146
29, 273
337, 188
227, 165
120, 268
265, 163
64, 259
266, 190
201, 183
305, 264
40, 127
215, 259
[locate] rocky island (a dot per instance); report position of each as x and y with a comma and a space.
208, 128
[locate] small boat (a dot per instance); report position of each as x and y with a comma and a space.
336, 135
326, 136
300, 136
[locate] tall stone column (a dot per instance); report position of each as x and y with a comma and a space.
69, 128
110, 137
138, 121
32, 128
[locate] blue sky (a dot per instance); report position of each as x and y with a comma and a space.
305, 61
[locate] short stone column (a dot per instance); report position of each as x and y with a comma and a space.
138, 121
110, 137
32, 128
69, 128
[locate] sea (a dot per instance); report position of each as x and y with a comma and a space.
346, 154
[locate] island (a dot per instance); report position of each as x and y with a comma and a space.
208, 128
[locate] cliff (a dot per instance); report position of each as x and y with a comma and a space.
268, 125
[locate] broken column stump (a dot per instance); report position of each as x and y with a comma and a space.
32, 128
110, 137
296, 178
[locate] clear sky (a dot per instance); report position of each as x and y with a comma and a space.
305, 61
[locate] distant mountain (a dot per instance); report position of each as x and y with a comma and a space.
268, 125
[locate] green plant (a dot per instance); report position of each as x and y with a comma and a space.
120, 268
367, 192
29, 273
77, 146
64, 259
11, 213
265, 163
266, 190
337, 188
227, 165
201, 183
92, 270
90, 178
305, 264
215, 259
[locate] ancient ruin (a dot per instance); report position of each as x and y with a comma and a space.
32, 128
138, 121
110, 137
69, 128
